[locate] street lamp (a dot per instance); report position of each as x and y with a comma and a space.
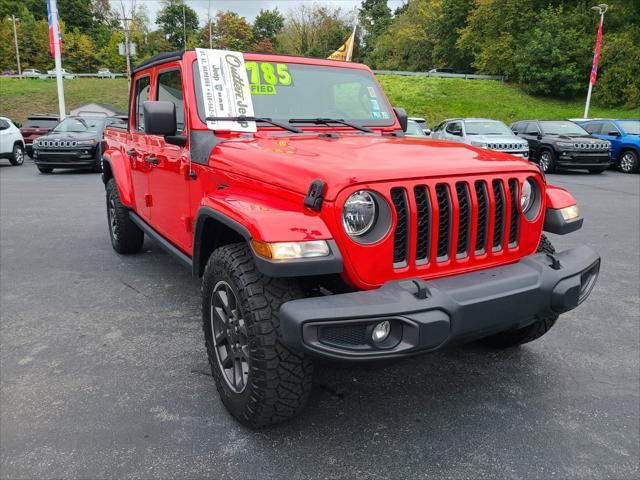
601, 9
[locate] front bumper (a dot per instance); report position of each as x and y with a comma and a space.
583, 160
426, 315
77, 158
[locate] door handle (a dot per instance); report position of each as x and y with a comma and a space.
152, 160
132, 152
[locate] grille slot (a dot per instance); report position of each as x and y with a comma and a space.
401, 235
514, 227
423, 247
498, 225
483, 216
464, 219
444, 221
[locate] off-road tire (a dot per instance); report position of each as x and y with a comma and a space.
279, 379
126, 236
513, 338
45, 169
17, 155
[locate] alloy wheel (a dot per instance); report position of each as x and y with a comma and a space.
18, 155
113, 223
627, 162
229, 332
545, 161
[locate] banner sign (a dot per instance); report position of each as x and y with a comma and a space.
596, 55
225, 89
54, 25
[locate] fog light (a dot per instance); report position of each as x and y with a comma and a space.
381, 332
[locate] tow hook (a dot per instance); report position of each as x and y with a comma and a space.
422, 292
555, 263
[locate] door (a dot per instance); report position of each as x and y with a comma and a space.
137, 149
531, 132
169, 178
610, 132
5, 133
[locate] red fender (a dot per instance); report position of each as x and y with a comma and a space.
121, 171
268, 218
558, 197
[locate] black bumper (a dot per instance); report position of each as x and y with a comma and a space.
84, 158
426, 315
584, 160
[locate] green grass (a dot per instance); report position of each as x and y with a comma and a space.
21, 98
438, 98
432, 98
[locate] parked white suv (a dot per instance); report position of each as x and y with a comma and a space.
11, 142
483, 133
65, 74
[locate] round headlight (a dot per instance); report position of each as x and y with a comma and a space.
527, 196
359, 213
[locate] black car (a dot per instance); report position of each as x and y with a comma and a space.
563, 144
76, 142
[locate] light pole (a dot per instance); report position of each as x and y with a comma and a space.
15, 38
601, 9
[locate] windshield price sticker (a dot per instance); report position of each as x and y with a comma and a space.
265, 76
225, 89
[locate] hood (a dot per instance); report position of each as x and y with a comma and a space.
71, 136
497, 139
575, 138
293, 162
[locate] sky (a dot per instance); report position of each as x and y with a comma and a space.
247, 8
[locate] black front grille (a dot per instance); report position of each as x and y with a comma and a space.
490, 218
498, 225
444, 220
401, 237
424, 223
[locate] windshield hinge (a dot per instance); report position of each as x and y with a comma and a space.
315, 195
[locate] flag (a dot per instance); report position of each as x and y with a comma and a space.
596, 55
52, 16
345, 52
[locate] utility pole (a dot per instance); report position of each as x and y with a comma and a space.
15, 38
54, 24
209, 18
125, 26
184, 26
601, 9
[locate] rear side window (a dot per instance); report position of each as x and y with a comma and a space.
41, 122
607, 128
143, 86
170, 90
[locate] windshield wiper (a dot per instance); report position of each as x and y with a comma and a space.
328, 121
243, 118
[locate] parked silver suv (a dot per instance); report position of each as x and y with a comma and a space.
483, 133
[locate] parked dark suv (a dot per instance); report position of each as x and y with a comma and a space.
37, 125
76, 142
556, 144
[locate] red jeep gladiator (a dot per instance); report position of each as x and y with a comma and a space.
328, 233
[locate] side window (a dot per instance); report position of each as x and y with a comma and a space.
170, 90
607, 128
517, 127
593, 127
4, 124
143, 86
454, 128
531, 129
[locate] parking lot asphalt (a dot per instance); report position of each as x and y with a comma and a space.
104, 372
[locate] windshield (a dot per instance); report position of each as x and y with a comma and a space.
282, 91
79, 125
632, 127
487, 128
563, 128
41, 122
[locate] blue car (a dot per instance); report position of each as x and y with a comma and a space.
624, 136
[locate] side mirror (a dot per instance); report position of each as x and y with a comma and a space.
457, 133
539, 136
614, 134
159, 118
403, 117
427, 132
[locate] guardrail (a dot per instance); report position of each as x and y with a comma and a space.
466, 76
45, 76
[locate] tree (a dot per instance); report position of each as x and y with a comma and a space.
267, 25
446, 52
176, 18
229, 31
375, 19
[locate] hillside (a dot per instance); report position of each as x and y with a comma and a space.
432, 98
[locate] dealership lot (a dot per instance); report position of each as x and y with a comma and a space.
104, 374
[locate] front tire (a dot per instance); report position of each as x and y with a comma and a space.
17, 155
547, 161
126, 236
629, 161
260, 381
520, 336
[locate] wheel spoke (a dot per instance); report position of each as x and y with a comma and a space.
220, 337
227, 361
